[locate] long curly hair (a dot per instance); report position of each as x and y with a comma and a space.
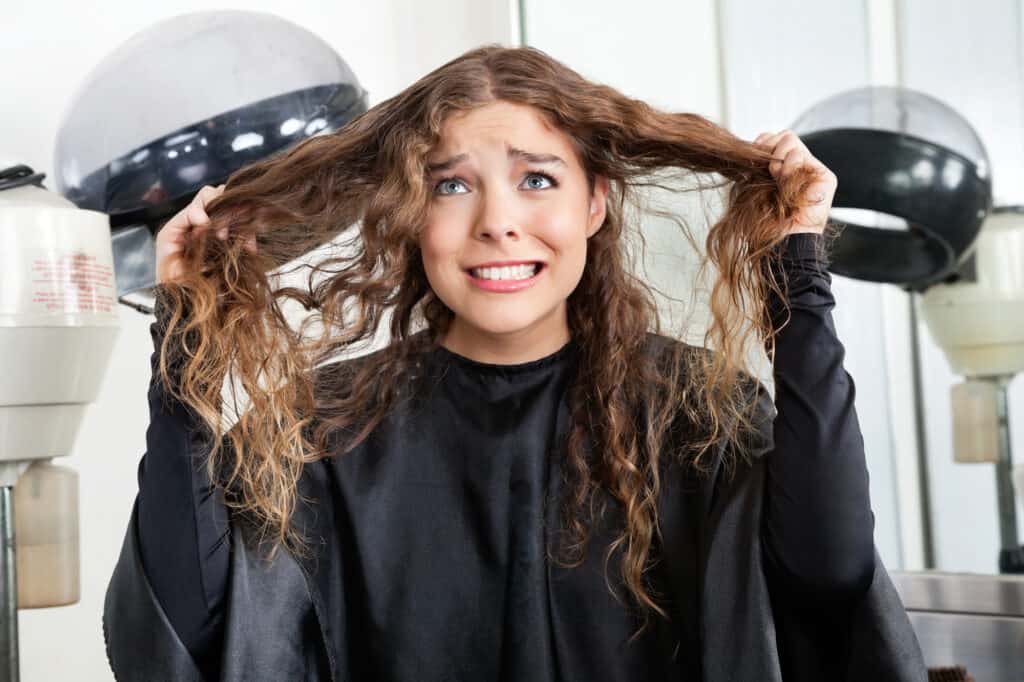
348, 207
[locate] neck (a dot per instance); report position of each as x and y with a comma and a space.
505, 348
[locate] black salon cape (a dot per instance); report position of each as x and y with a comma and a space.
292, 620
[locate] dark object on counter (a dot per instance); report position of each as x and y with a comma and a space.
1011, 561
957, 674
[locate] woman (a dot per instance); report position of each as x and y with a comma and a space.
529, 482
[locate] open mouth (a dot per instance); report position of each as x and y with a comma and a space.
508, 273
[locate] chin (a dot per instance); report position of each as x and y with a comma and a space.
501, 317
498, 325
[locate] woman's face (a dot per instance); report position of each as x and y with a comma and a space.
505, 239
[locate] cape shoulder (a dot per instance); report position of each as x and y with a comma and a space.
273, 627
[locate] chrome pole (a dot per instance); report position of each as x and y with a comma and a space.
923, 484
8, 589
1011, 555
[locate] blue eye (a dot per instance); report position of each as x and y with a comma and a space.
543, 177
447, 184
538, 181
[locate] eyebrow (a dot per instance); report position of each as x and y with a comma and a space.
513, 153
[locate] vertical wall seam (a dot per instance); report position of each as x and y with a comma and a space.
723, 71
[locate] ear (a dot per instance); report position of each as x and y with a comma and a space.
598, 205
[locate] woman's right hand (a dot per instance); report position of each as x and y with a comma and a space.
171, 238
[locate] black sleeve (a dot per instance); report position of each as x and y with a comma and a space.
818, 528
183, 524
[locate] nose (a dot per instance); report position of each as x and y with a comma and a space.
496, 220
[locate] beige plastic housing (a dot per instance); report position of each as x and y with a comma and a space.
59, 320
979, 321
46, 536
975, 422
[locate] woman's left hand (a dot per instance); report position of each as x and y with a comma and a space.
790, 153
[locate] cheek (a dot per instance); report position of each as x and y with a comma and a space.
564, 232
439, 251
435, 246
428, 252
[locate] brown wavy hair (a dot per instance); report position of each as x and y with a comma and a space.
355, 199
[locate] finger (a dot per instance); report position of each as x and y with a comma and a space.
177, 223
774, 138
785, 147
787, 138
196, 216
793, 159
205, 194
824, 189
767, 140
773, 141
775, 165
197, 209
792, 141
786, 143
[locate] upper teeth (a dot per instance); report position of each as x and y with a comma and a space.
508, 272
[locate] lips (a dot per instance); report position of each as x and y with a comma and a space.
505, 286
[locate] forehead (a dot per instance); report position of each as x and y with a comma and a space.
501, 124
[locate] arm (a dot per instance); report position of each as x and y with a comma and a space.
183, 525
818, 526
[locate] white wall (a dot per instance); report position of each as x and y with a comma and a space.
662, 52
54, 44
